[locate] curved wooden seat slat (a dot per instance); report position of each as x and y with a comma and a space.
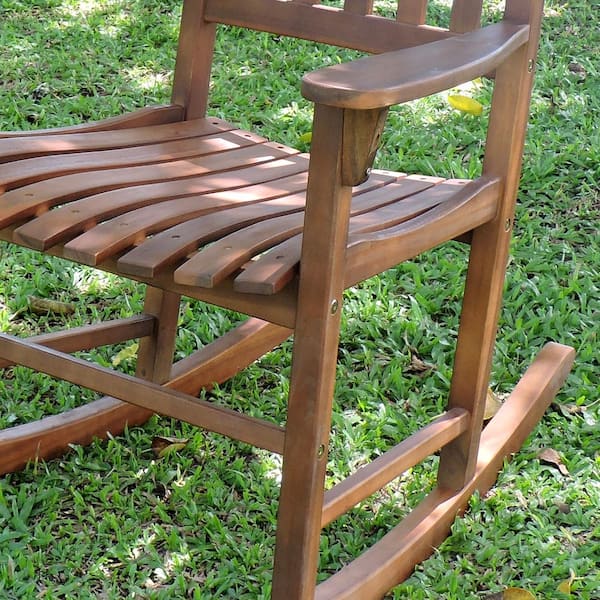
175, 243
19, 148
37, 198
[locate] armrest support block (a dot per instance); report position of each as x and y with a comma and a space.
403, 75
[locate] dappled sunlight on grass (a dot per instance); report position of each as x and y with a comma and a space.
114, 521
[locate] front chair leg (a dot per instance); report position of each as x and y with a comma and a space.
313, 363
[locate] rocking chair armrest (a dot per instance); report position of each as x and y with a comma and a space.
402, 75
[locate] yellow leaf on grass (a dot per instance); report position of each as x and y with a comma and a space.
517, 594
43, 306
125, 354
465, 104
163, 445
306, 137
565, 586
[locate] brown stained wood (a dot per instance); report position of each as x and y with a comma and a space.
151, 115
279, 309
313, 362
361, 7
213, 264
169, 246
48, 145
225, 256
39, 197
269, 273
175, 243
386, 467
392, 559
155, 352
465, 15
138, 195
412, 11
362, 133
324, 24
194, 60
22, 173
65, 222
489, 252
132, 228
52, 436
395, 77
148, 395
94, 335
102, 242
371, 253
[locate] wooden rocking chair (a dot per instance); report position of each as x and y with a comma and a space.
190, 205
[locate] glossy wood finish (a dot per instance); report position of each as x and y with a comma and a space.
323, 23
392, 558
190, 205
403, 75
151, 115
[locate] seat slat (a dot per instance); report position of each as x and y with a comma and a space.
39, 197
124, 231
31, 170
412, 195
97, 244
48, 143
368, 252
212, 264
65, 222
144, 117
175, 243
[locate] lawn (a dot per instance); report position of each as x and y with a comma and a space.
115, 521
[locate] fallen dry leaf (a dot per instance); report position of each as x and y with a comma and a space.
568, 410
492, 405
565, 586
517, 594
552, 457
418, 365
43, 306
163, 445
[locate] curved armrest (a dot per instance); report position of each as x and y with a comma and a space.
403, 75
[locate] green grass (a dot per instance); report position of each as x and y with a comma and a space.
112, 521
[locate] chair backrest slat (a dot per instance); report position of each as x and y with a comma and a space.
412, 11
466, 15
321, 23
361, 7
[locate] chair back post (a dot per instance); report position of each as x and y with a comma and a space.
490, 246
194, 60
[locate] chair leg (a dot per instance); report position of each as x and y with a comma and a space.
304, 463
476, 338
313, 365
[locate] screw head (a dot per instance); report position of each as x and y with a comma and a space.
334, 306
